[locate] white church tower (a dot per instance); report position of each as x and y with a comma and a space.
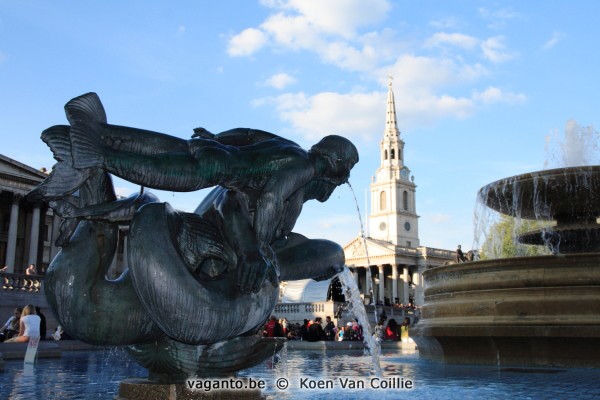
393, 217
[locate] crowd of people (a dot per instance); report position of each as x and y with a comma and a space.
315, 330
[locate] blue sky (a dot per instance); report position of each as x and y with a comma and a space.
480, 86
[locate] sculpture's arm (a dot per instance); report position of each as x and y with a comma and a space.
239, 136
253, 264
7, 324
115, 211
291, 211
278, 189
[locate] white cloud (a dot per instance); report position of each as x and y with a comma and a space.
421, 75
495, 50
335, 17
498, 18
445, 23
495, 95
360, 115
291, 32
350, 115
556, 37
348, 57
454, 39
312, 25
440, 218
247, 42
180, 30
280, 81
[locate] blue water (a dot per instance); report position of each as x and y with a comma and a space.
96, 375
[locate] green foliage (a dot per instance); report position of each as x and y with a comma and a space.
501, 240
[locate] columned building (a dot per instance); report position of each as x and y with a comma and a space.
27, 229
389, 260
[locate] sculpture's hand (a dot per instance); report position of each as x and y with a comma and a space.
203, 134
63, 208
252, 271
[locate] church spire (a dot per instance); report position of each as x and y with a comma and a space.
392, 147
391, 125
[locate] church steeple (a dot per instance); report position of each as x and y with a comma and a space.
392, 147
393, 216
391, 125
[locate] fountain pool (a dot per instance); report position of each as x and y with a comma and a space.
96, 375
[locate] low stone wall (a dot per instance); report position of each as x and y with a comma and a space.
345, 345
46, 349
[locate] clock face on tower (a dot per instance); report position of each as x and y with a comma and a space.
407, 226
382, 226
404, 173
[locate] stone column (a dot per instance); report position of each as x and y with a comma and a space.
405, 285
381, 284
11, 245
418, 281
394, 283
34, 236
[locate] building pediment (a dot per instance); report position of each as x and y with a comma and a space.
376, 248
18, 177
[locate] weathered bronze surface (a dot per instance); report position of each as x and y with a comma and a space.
198, 285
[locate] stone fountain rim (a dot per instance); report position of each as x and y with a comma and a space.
563, 171
528, 178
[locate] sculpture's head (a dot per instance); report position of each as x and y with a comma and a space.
340, 155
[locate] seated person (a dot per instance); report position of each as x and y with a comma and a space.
29, 326
391, 331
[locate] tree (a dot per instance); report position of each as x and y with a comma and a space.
502, 238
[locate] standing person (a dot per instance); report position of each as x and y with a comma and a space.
315, 331
304, 330
460, 257
31, 270
278, 329
404, 330
329, 329
29, 326
340, 334
358, 329
285, 325
11, 327
270, 327
42, 323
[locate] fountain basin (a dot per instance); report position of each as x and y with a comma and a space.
534, 311
563, 194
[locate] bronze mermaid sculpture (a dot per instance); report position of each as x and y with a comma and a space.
196, 283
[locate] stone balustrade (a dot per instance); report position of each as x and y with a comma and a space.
297, 312
21, 283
